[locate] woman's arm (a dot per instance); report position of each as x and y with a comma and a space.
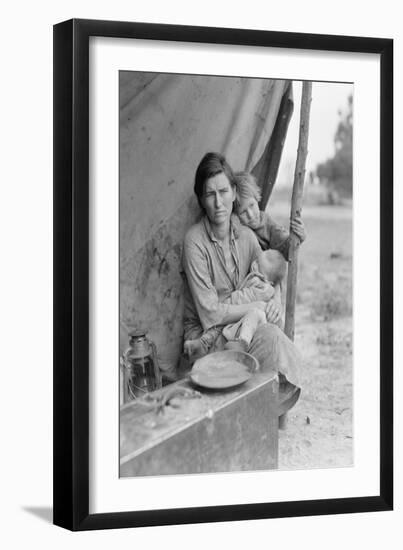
210, 310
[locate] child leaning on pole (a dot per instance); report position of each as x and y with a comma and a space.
267, 273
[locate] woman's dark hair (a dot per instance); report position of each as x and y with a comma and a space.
211, 165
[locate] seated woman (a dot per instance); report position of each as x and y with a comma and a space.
266, 272
217, 256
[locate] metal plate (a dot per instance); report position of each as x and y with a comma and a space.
223, 369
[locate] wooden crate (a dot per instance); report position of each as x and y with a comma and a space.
222, 431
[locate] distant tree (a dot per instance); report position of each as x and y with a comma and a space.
337, 171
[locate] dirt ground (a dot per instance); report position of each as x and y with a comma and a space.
319, 430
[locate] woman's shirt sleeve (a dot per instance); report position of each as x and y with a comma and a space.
196, 265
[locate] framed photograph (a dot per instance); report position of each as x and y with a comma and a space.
223, 274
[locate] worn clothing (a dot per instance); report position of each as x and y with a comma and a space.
210, 290
210, 287
251, 282
252, 285
245, 328
272, 235
273, 350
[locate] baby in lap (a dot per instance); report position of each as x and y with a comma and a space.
266, 272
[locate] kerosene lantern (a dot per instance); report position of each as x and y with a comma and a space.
141, 370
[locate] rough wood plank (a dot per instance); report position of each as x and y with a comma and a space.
231, 430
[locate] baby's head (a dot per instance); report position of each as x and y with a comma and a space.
272, 265
247, 199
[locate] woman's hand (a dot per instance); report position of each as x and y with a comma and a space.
259, 305
298, 227
273, 312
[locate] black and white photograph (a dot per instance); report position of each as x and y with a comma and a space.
235, 274
200, 279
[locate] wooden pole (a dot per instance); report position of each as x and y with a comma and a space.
296, 205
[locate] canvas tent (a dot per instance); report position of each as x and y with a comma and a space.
167, 123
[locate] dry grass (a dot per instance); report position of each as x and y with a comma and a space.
319, 432
331, 302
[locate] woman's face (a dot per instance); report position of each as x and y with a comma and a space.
248, 212
218, 199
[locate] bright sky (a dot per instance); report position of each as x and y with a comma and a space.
327, 99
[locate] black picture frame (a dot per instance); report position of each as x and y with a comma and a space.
72, 285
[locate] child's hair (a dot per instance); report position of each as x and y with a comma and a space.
246, 187
273, 265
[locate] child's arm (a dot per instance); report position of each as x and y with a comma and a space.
279, 237
255, 290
